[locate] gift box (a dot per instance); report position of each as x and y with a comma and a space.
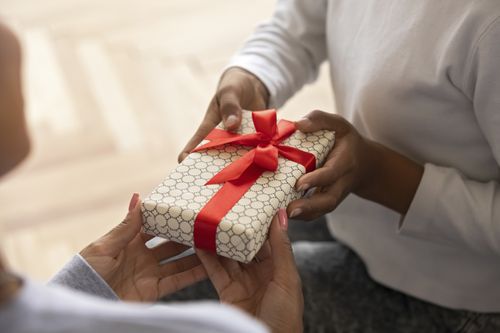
224, 195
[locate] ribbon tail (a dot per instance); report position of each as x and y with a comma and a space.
285, 129
218, 138
307, 159
235, 170
207, 220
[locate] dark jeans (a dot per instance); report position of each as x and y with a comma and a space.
340, 297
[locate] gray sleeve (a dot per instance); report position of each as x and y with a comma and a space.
77, 274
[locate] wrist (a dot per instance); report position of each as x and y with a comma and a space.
392, 179
372, 166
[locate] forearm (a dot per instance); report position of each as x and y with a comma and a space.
393, 180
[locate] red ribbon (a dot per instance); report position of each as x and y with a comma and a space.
240, 175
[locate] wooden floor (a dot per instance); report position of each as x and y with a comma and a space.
114, 89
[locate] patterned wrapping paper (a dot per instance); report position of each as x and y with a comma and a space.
170, 210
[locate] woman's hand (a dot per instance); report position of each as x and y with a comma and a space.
355, 165
269, 287
133, 270
237, 90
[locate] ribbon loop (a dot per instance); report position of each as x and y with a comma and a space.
265, 123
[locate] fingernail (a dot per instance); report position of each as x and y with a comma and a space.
133, 201
303, 187
283, 219
296, 212
231, 121
305, 121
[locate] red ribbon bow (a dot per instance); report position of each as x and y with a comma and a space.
240, 175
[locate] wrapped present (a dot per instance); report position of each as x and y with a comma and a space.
224, 195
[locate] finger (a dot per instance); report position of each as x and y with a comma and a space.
167, 250
179, 265
319, 120
321, 202
123, 233
321, 177
215, 271
338, 163
173, 283
264, 253
282, 254
212, 118
146, 237
233, 268
229, 106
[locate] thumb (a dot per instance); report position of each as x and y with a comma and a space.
282, 253
229, 108
319, 120
124, 232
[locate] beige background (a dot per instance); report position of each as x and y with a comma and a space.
114, 89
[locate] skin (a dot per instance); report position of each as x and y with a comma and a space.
355, 165
237, 89
134, 271
269, 289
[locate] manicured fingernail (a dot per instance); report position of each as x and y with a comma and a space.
283, 219
231, 121
303, 187
133, 201
296, 212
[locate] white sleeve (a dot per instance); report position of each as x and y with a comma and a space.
448, 207
286, 52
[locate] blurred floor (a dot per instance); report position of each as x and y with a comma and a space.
114, 88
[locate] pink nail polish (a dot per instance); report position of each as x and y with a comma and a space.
133, 201
283, 219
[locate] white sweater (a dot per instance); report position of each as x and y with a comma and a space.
423, 78
79, 301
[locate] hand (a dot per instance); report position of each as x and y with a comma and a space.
355, 165
237, 90
133, 270
270, 288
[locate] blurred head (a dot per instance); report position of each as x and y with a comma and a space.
14, 140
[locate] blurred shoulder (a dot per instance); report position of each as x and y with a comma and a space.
10, 46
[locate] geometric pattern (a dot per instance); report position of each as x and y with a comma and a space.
170, 210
